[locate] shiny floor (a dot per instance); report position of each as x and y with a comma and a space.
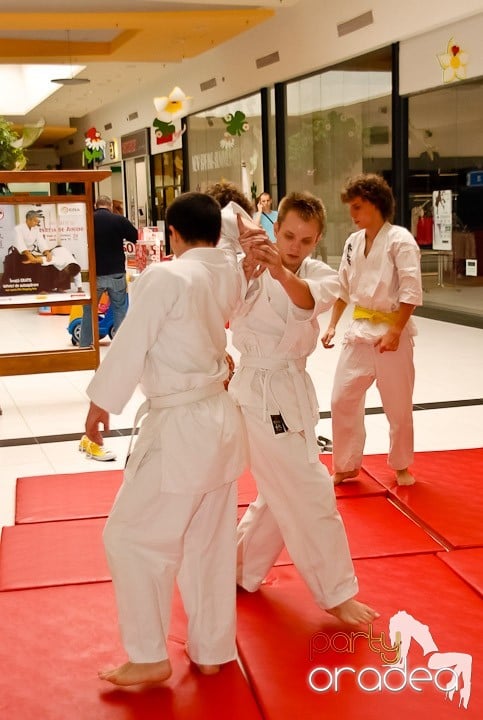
43, 415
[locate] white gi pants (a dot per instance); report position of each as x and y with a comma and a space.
359, 365
296, 506
150, 539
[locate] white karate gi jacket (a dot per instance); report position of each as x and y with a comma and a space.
267, 325
30, 239
388, 276
173, 340
34, 241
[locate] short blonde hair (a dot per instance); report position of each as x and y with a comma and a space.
306, 205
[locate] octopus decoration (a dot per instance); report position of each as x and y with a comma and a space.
236, 124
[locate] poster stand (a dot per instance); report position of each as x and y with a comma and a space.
72, 358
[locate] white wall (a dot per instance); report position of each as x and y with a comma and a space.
420, 67
306, 38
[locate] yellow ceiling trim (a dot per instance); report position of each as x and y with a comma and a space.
143, 37
35, 51
132, 20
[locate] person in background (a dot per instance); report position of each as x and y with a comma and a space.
265, 217
380, 274
225, 192
110, 231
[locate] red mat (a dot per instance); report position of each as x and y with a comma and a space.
76, 496
376, 528
55, 639
283, 637
56, 553
66, 497
468, 564
447, 497
361, 486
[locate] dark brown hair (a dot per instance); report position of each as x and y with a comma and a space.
374, 189
226, 192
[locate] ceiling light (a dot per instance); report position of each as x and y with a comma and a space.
70, 80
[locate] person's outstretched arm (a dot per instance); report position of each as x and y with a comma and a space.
337, 311
95, 418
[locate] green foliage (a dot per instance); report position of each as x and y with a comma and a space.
327, 141
11, 158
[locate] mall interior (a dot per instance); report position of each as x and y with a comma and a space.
275, 96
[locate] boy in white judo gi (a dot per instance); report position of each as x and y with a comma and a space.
380, 274
175, 514
275, 328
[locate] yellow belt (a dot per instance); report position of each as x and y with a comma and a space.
375, 316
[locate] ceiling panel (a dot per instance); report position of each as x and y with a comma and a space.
119, 47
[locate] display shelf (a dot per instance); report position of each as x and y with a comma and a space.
58, 360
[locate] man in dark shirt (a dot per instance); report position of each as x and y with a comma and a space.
110, 231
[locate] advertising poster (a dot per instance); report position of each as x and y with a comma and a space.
443, 220
43, 252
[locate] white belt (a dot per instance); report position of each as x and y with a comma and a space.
175, 399
296, 369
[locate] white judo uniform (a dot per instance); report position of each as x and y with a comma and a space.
175, 514
388, 276
30, 239
33, 240
296, 502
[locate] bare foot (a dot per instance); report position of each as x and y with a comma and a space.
135, 673
339, 477
208, 669
204, 669
404, 477
353, 612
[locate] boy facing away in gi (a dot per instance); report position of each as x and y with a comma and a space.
275, 328
175, 514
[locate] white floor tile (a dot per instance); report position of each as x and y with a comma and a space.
64, 457
448, 362
20, 455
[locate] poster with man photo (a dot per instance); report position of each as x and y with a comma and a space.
43, 251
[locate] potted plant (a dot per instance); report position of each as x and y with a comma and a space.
12, 156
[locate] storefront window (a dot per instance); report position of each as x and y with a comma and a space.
446, 163
225, 143
272, 149
168, 180
339, 124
